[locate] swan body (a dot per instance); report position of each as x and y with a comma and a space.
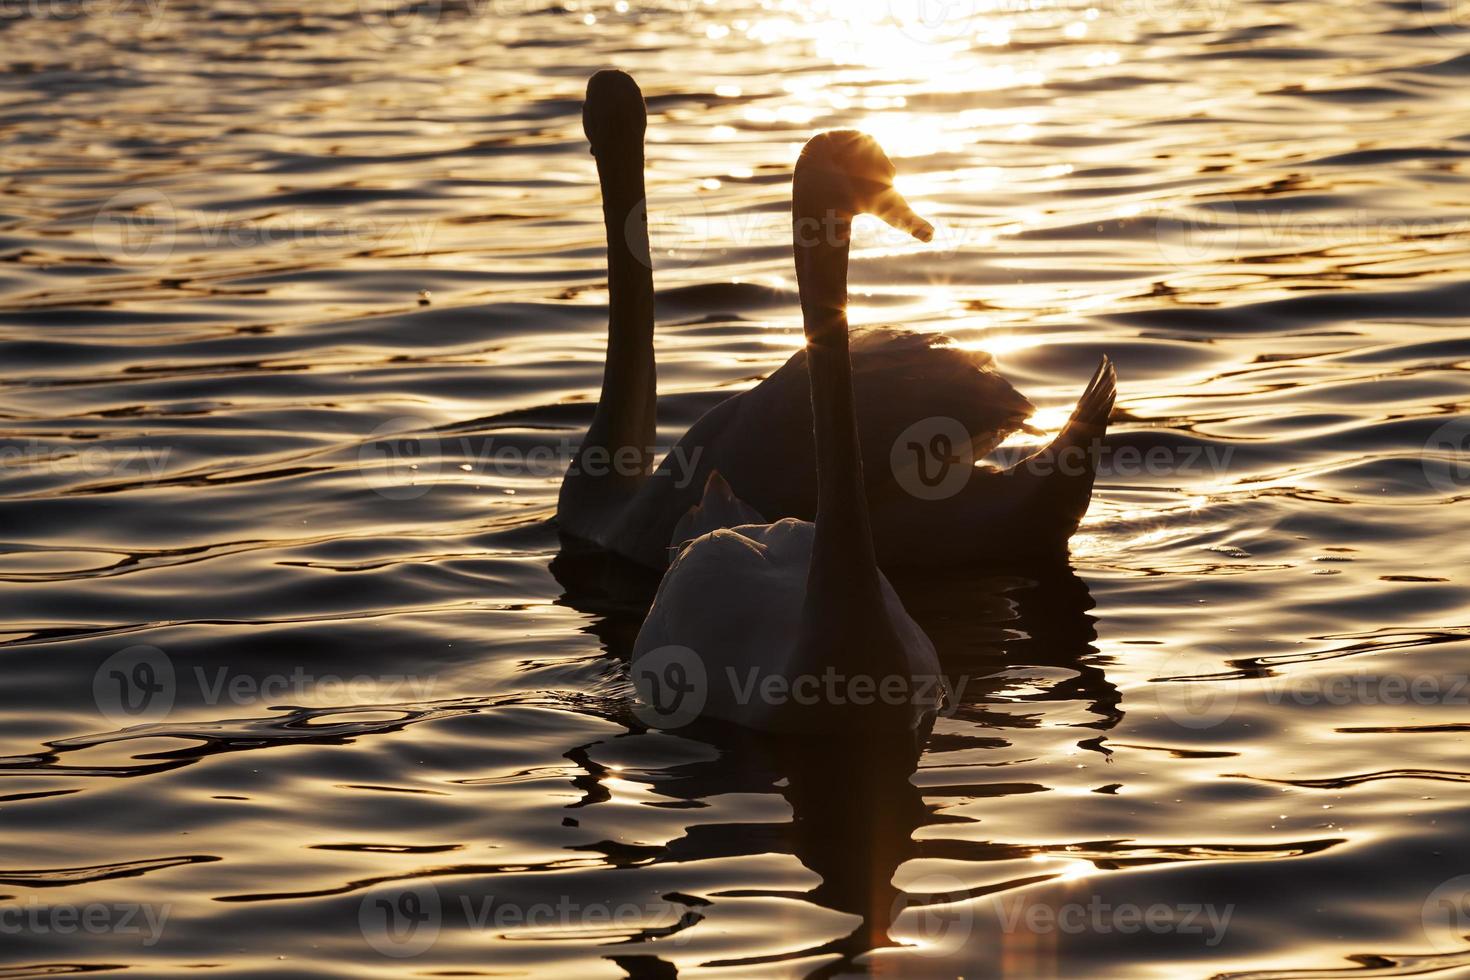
736, 597
790, 626
760, 440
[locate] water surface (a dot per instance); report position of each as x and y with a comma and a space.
304, 307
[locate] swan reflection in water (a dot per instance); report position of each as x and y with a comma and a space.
856, 811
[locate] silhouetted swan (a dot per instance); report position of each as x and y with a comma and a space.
796, 601
601, 483
760, 440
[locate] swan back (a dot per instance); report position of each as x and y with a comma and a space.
729, 615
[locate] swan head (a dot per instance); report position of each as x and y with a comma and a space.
613, 115
846, 173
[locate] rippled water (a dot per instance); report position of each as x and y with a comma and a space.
284, 697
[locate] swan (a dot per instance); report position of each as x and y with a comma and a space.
616, 456
795, 601
919, 396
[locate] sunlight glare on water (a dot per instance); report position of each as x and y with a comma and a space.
303, 306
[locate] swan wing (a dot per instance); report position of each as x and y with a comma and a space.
734, 599
901, 377
719, 508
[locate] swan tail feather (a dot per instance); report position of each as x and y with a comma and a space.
1065, 470
718, 508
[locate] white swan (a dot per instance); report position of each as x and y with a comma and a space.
793, 604
760, 440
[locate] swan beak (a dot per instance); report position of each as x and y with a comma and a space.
892, 208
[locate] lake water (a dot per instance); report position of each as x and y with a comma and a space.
304, 306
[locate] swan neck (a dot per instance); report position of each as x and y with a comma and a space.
625, 419
844, 570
